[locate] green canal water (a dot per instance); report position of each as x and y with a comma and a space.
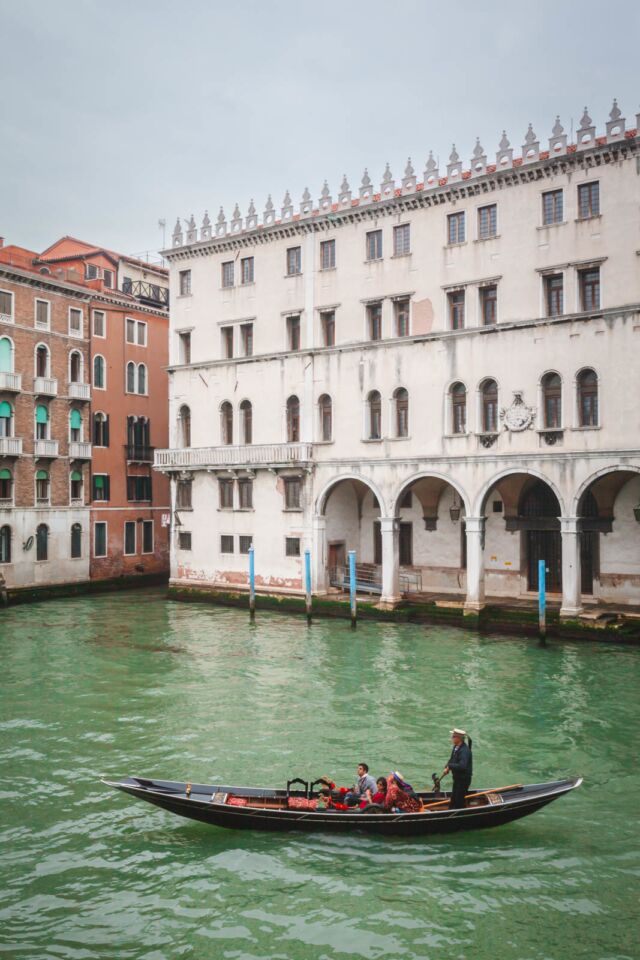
131, 683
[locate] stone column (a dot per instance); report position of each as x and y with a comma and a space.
571, 567
390, 530
475, 564
319, 553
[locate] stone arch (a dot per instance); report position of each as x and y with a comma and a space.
598, 475
479, 504
323, 496
441, 478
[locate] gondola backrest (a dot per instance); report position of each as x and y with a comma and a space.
303, 783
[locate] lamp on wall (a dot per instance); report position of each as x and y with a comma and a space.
454, 509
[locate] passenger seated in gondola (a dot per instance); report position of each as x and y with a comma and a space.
359, 791
377, 797
399, 796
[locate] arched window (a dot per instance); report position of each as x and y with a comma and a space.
325, 410
489, 396
76, 541
184, 427
99, 373
42, 422
226, 422
42, 361
5, 544
374, 410
75, 481
458, 408
75, 367
42, 486
42, 542
293, 420
6, 419
6, 355
246, 416
401, 402
100, 430
6, 486
131, 377
142, 378
588, 398
552, 400
75, 425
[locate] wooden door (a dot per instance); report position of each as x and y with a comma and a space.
544, 545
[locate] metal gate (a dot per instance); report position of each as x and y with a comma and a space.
544, 545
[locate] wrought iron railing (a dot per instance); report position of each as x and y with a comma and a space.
139, 453
148, 292
369, 579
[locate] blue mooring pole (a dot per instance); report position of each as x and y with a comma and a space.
352, 587
252, 585
307, 583
542, 599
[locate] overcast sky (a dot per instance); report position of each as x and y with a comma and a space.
115, 115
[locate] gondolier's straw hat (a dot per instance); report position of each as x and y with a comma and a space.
458, 733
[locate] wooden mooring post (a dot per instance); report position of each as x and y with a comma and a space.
352, 588
252, 584
307, 583
542, 599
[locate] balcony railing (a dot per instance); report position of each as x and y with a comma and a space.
10, 446
251, 455
80, 391
138, 453
151, 293
11, 381
45, 386
45, 448
79, 450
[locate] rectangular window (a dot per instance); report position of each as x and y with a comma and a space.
488, 221
99, 323
75, 322
129, 538
455, 228
6, 305
91, 271
227, 274
130, 328
245, 494
406, 544
246, 270
225, 489
374, 321
76, 488
401, 312
327, 254
292, 546
138, 488
227, 342
183, 495
489, 305
185, 283
147, 536
141, 333
100, 539
246, 335
293, 333
402, 240
554, 294
589, 289
42, 488
244, 543
374, 245
328, 323
292, 489
226, 543
100, 486
43, 313
127, 285
552, 207
184, 340
294, 261
456, 309
588, 200
184, 540
107, 277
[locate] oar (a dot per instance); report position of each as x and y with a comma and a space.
476, 793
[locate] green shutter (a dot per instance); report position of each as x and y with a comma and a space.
42, 475
42, 414
5, 355
75, 419
76, 475
5, 474
5, 409
99, 482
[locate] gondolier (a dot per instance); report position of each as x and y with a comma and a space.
460, 765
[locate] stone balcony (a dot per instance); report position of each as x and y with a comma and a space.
45, 386
10, 446
11, 382
79, 391
45, 448
247, 456
79, 450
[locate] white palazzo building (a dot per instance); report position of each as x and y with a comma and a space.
441, 373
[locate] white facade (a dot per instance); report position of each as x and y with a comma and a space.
535, 324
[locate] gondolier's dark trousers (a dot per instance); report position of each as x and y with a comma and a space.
460, 788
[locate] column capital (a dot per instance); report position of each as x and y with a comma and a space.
319, 521
569, 524
475, 524
389, 524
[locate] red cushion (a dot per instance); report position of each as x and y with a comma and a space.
237, 801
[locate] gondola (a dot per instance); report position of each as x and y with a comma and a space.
253, 808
